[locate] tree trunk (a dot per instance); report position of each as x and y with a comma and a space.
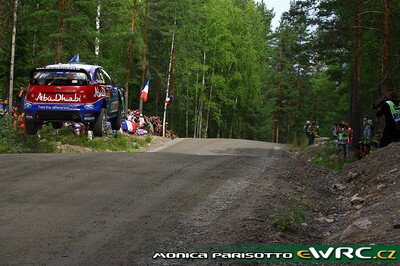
196, 105
97, 41
355, 109
173, 89
168, 80
277, 131
130, 52
158, 76
60, 30
144, 53
12, 63
386, 51
187, 111
203, 83
297, 118
209, 107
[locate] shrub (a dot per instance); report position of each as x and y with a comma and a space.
329, 155
286, 219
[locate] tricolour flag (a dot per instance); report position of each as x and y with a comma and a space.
145, 92
168, 100
128, 126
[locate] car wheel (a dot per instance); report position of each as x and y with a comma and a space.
57, 125
116, 122
99, 128
30, 127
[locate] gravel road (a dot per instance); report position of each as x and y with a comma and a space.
120, 208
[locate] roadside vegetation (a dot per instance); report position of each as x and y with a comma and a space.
63, 140
329, 155
286, 219
14, 141
233, 74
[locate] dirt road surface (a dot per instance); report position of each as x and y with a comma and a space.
104, 208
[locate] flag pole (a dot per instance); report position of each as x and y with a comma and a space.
141, 106
168, 81
165, 117
143, 96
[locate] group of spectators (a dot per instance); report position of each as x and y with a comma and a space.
135, 122
389, 108
343, 133
17, 110
3, 108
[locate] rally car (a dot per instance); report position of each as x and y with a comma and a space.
73, 92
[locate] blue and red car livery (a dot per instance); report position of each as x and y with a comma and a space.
73, 92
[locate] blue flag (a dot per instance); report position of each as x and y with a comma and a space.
75, 59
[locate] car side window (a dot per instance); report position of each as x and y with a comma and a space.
107, 79
100, 77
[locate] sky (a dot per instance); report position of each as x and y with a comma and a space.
279, 7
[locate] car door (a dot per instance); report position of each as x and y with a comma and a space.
112, 100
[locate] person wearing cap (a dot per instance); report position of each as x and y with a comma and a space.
78, 128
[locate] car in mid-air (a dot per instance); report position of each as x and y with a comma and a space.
73, 93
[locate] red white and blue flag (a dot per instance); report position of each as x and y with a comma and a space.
168, 100
128, 126
145, 92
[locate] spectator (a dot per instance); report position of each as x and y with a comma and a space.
308, 131
315, 130
78, 129
390, 108
345, 139
368, 130
20, 101
336, 130
2, 108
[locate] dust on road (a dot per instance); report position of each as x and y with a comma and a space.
122, 208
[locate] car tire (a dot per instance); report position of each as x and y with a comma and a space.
116, 122
57, 125
99, 127
30, 127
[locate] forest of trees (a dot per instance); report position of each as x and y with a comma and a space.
231, 74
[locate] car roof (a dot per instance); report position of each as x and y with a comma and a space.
87, 68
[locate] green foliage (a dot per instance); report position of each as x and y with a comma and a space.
288, 218
233, 75
13, 140
329, 155
65, 136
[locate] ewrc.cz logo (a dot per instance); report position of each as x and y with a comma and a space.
293, 253
223, 255
362, 253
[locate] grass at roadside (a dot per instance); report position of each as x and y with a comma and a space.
63, 140
327, 154
14, 141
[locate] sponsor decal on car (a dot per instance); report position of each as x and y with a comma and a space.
101, 93
57, 98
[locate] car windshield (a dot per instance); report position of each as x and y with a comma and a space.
60, 78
